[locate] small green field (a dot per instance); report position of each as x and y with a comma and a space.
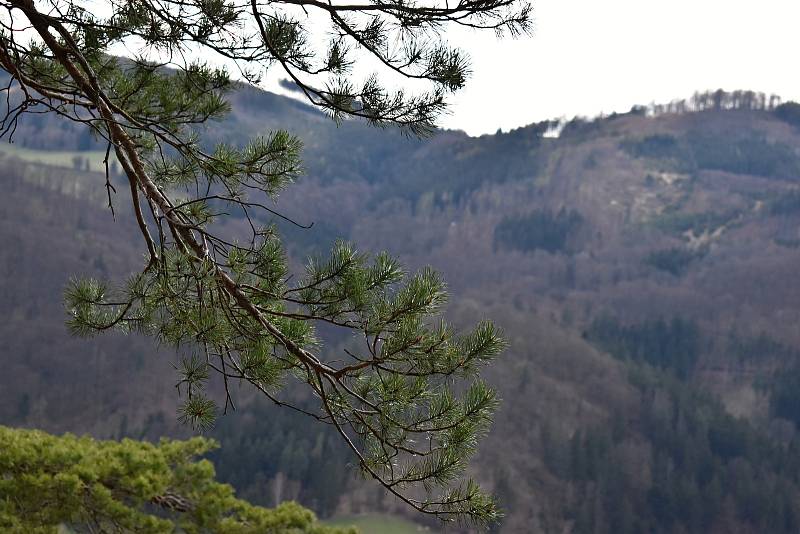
379, 524
56, 158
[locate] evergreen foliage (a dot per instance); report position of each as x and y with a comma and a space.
229, 300
541, 229
657, 146
761, 348
707, 221
47, 482
266, 442
750, 154
789, 112
673, 260
784, 398
734, 152
786, 204
704, 467
673, 344
518, 154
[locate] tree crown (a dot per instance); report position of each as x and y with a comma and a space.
128, 486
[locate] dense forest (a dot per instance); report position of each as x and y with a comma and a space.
643, 267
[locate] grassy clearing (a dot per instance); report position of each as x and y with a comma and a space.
56, 171
380, 524
55, 158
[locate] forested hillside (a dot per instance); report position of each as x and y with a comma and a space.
643, 267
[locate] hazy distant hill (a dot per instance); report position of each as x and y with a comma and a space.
644, 268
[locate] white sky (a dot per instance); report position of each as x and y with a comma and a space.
587, 57
590, 56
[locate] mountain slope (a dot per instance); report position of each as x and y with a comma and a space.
643, 268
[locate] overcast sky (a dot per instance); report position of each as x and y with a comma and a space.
589, 56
